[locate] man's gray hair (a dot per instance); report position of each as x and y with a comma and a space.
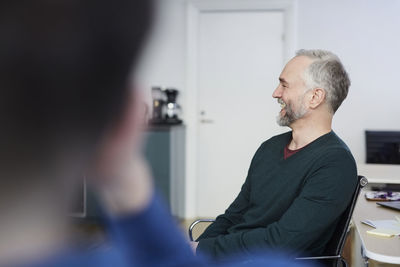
328, 73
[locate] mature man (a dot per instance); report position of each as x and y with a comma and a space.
299, 182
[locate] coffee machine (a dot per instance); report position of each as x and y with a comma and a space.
173, 109
158, 105
166, 110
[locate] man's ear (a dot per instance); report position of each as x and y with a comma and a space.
317, 98
128, 129
123, 139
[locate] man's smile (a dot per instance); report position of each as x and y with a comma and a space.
283, 105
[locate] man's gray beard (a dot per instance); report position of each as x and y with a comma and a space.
290, 116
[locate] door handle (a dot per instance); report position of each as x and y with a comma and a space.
206, 121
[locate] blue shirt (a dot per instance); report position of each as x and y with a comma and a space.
151, 238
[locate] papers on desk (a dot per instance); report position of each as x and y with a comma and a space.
382, 195
384, 228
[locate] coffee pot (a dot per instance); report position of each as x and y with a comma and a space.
166, 110
172, 108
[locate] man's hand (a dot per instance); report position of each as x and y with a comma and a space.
120, 173
194, 246
129, 191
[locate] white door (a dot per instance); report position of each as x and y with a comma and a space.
240, 57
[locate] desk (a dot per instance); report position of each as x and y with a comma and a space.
386, 250
380, 173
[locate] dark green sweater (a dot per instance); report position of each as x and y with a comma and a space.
291, 204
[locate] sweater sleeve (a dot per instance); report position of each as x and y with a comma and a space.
233, 215
151, 238
324, 196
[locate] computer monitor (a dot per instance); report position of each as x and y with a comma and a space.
383, 147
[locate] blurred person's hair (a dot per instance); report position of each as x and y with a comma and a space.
327, 72
64, 70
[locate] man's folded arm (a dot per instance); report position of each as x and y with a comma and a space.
324, 197
233, 215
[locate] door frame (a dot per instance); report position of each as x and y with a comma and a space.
193, 10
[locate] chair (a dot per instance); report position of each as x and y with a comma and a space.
332, 255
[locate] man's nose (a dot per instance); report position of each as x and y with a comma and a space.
277, 92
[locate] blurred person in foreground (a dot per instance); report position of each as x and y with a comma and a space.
66, 105
300, 182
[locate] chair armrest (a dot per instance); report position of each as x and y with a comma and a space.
191, 227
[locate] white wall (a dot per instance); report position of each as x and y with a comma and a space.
365, 35
163, 63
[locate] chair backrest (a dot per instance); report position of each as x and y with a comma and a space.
336, 244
